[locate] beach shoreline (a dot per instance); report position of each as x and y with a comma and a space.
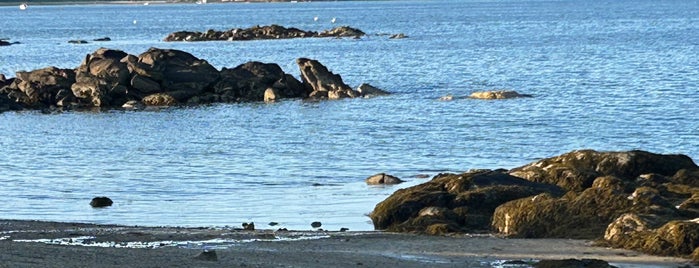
50, 244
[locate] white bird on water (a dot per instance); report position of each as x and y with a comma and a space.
333, 20
315, 18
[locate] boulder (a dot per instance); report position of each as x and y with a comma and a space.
583, 216
366, 90
249, 81
102, 39
178, 73
578, 169
398, 36
78, 41
39, 88
102, 78
498, 94
383, 178
342, 31
317, 77
453, 202
159, 99
647, 234
102, 201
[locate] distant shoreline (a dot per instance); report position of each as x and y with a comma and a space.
143, 2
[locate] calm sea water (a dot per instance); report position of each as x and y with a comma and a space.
606, 75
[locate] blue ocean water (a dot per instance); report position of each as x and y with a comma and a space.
605, 75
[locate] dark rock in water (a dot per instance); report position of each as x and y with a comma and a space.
249, 226
342, 31
103, 39
323, 83
99, 202
159, 99
367, 90
77, 42
383, 178
39, 88
343, 229
260, 33
398, 36
273, 223
207, 255
573, 263
102, 79
250, 81
453, 202
7, 43
316, 224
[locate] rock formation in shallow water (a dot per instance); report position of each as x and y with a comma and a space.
261, 33
636, 200
165, 77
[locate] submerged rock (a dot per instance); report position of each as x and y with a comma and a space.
383, 178
102, 201
496, 95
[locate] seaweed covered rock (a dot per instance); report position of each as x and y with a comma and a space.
453, 202
575, 171
581, 215
654, 235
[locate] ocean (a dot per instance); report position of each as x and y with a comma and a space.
605, 75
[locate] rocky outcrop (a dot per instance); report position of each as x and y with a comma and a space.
453, 202
498, 94
261, 33
165, 77
39, 88
575, 171
636, 200
323, 84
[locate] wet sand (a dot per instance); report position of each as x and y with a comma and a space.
52, 244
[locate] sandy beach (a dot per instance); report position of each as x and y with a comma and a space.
52, 244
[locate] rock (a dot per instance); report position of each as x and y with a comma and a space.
453, 202
4, 42
316, 224
446, 98
366, 90
260, 33
639, 232
250, 81
77, 42
273, 224
383, 178
249, 226
499, 94
588, 214
133, 105
207, 255
342, 31
38, 88
573, 263
102, 79
99, 202
317, 77
398, 36
270, 95
102, 39
343, 229
159, 99
578, 169
179, 73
